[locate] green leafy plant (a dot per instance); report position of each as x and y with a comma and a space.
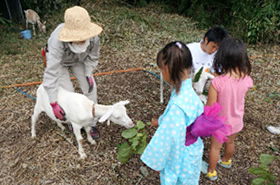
264, 175
136, 142
197, 75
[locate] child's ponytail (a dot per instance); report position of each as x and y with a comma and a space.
177, 57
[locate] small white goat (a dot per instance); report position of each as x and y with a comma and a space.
78, 110
32, 17
202, 84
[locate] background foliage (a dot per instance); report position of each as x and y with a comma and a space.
252, 20
44, 7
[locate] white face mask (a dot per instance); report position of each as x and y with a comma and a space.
78, 48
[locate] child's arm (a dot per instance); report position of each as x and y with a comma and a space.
154, 123
212, 95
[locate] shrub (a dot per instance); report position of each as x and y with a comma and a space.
252, 20
136, 142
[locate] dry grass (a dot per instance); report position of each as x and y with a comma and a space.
131, 38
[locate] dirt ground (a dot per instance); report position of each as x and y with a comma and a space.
131, 39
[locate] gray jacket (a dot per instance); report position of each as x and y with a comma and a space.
59, 55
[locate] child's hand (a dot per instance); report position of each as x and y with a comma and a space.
154, 123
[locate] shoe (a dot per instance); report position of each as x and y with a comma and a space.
212, 176
94, 133
204, 167
70, 127
226, 164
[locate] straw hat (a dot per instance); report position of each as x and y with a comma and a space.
78, 26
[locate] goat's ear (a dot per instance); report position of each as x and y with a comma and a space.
124, 102
210, 76
106, 116
44, 22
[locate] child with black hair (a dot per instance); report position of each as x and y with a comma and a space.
167, 152
203, 52
229, 90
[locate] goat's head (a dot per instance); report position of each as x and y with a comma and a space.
117, 114
42, 26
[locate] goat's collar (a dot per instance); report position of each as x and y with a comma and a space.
93, 110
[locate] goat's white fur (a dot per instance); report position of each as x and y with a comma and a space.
78, 110
203, 83
32, 17
273, 129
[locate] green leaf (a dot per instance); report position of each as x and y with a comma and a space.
141, 147
149, 123
274, 149
129, 133
135, 142
266, 159
124, 152
134, 145
258, 181
256, 170
139, 134
271, 176
140, 125
197, 75
264, 176
143, 143
205, 92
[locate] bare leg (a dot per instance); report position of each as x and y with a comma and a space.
229, 148
214, 154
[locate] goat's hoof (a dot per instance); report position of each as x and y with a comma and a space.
92, 142
83, 155
33, 136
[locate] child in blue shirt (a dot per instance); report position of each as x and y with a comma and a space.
166, 152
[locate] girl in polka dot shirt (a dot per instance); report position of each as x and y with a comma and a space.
166, 152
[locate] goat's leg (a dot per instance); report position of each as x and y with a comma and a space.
89, 138
77, 132
33, 25
34, 118
60, 125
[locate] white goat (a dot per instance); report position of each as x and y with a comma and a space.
273, 129
32, 17
202, 84
78, 110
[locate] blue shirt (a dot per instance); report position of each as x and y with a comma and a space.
166, 152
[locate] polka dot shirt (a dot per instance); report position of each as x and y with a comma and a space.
166, 152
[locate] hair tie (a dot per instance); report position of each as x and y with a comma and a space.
179, 45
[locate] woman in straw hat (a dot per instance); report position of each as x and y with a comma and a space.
72, 45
